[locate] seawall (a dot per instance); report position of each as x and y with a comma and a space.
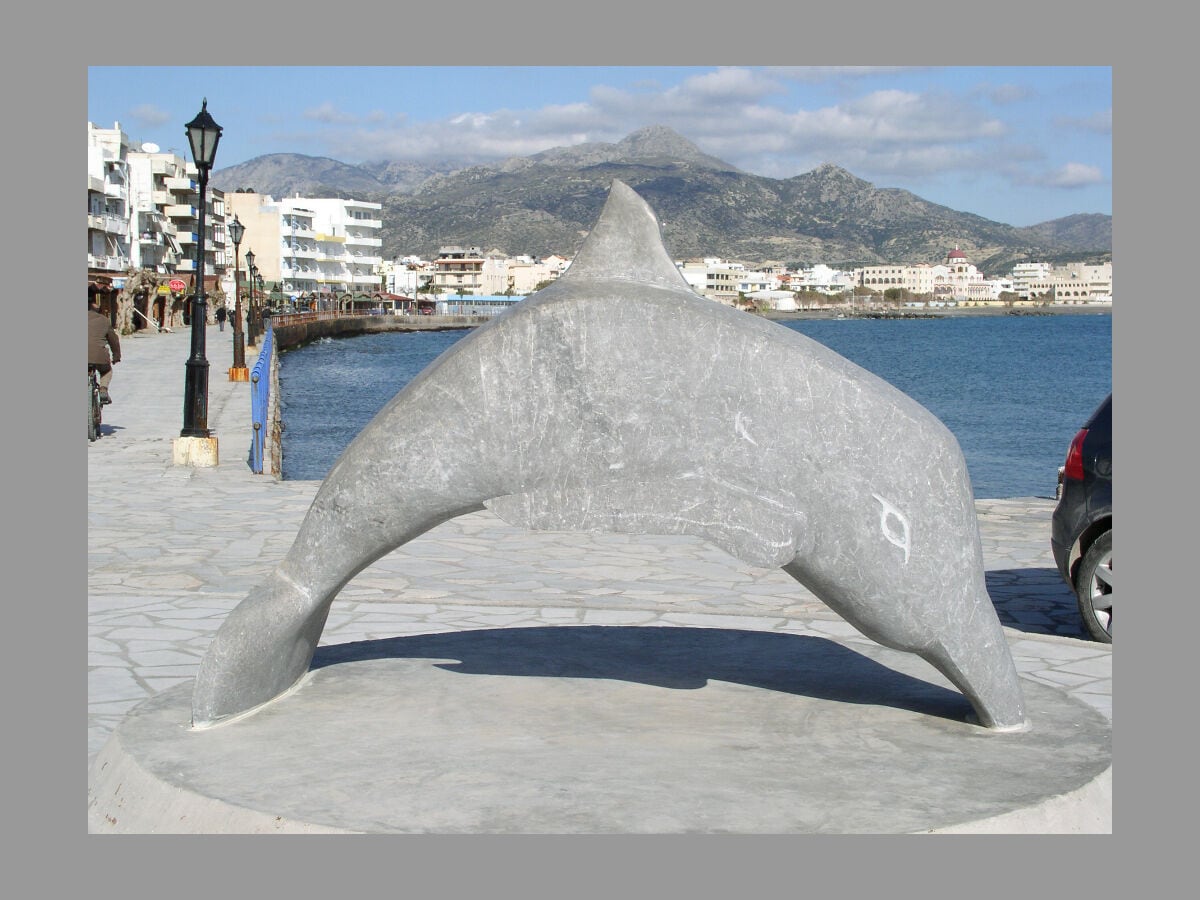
293, 331
296, 330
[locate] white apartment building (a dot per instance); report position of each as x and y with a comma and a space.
311, 245
1030, 278
524, 273
107, 201
459, 270
822, 279
723, 281
406, 275
1082, 283
155, 242
328, 244
165, 201
1072, 283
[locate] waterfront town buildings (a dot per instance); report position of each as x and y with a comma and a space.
324, 253
143, 223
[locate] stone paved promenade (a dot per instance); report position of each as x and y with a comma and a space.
173, 549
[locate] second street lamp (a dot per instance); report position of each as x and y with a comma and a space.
203, 134
238, 372
251, 327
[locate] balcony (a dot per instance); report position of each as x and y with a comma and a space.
186, 237
115, 189
182, 211
185, 185
108, 263
96, 223
185, 265
95, 184
364, 241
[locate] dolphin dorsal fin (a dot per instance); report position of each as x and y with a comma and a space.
626, 243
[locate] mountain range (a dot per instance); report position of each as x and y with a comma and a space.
545, 203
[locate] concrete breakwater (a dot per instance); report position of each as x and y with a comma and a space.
296, 330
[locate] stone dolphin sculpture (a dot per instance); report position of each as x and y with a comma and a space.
617, 399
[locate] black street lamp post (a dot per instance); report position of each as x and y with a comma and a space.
236, 230
203, 135
263, 308
251, 325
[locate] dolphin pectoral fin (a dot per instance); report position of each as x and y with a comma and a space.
758, 529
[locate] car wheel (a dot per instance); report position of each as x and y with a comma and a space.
1093, 588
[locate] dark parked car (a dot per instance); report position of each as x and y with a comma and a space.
1081, 529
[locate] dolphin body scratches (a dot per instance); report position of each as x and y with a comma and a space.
617, 399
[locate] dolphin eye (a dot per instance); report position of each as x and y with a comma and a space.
889, 518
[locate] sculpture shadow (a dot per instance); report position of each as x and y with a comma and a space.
1035, 600
674, 658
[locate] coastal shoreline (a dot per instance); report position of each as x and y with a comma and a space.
1100, 309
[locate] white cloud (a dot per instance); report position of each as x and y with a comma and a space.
817, 74
745, 117
1074, 175
1006, 94
329, 115
149, 116
1098, 123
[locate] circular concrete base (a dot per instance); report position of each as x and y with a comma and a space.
608, 730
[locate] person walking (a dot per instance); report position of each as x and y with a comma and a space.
222, 315
104, 347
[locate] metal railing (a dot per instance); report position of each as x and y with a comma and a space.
260, 395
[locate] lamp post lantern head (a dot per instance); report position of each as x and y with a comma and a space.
236, 230
203, 134
250, 260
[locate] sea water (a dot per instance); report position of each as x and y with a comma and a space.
1012, 389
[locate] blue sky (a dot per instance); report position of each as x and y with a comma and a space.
1019, 145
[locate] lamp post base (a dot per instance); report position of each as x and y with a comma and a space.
239, 373
239, 347
198, 452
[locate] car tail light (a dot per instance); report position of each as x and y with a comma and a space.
1074, 467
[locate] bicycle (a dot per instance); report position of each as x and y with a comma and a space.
93, 404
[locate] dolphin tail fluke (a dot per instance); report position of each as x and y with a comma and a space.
261, 650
